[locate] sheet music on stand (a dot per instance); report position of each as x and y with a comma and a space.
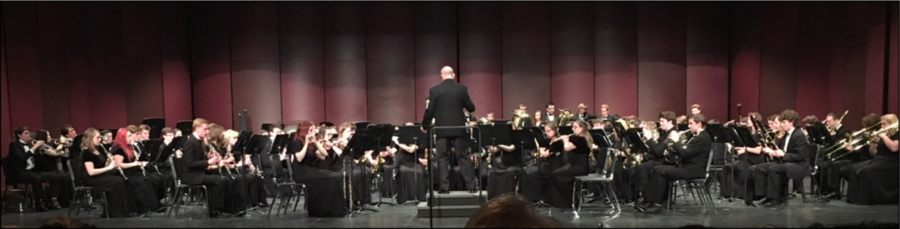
636, 144
819, 134
498, 134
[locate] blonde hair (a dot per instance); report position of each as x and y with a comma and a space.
229, 134
889, 118
198, 122
87, 142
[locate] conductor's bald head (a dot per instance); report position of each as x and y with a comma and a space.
447, 73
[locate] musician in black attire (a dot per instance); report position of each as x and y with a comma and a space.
165, 172
120, 199
583, 113
694, 155
195, 164
536, 180
444, 106
143, 153
387, 167
577, 147
50, 160
876, 181
323, 185
854, 161
138, 183
411, 181
20, 168
235, 186
832, 169
735, 176
506, 165
794, 152
657, 144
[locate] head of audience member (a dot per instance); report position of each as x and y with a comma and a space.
507, 211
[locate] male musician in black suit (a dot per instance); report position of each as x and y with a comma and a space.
583, 113
550, 114
794, 163
20, 168
445, 104
196, 164
694, 154
657, 148
605, 115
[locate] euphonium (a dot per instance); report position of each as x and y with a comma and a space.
565, 116
519, 119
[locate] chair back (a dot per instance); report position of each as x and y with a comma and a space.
609, 161
709, 162
71, 173
171, 162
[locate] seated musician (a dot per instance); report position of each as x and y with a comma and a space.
656, 140
195, 164
21, 168
411, 181
876, 181
577, 146
124, 154
235, 185
102, 173
793, 152
735, 176
854, 160
314, 159
505, 168
694, 153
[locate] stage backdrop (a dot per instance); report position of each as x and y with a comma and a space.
108, 64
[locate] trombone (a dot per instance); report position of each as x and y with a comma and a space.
855, 140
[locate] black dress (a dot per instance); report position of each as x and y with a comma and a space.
141, 186
506, 167
119, 197
876, 181
235, 187
564, 177
324, 197
411, 176
735, 176
388, 184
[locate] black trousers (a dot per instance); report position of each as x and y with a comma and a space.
466, 167
36, 179
658, 188
216, 187
642, 176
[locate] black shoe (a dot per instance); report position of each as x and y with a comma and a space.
443, 192
215, 214
240, 214
750, 204
775, 204
51, 207
653, 209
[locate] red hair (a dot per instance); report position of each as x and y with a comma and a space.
122, 142
303, 128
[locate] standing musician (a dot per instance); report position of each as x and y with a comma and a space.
793, 151
120, 199
127, 159
195, 164
694, 154
876, 181
656, 140
734, 176
313, 162
446, 100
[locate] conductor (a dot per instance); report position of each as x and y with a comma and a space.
444, 107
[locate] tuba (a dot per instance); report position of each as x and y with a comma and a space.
565, 116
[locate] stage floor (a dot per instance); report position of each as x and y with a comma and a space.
729, 214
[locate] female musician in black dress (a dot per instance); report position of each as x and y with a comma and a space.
138, 183
323, 185
411, 181
235, 185
506, 165
578, 146
101, 173
876, 181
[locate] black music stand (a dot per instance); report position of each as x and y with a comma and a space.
255, 147
364, 139
413, 135
720, 135
156, 126
741, 137
186, 127
819, 136
498, 134
383, 133
524, 140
